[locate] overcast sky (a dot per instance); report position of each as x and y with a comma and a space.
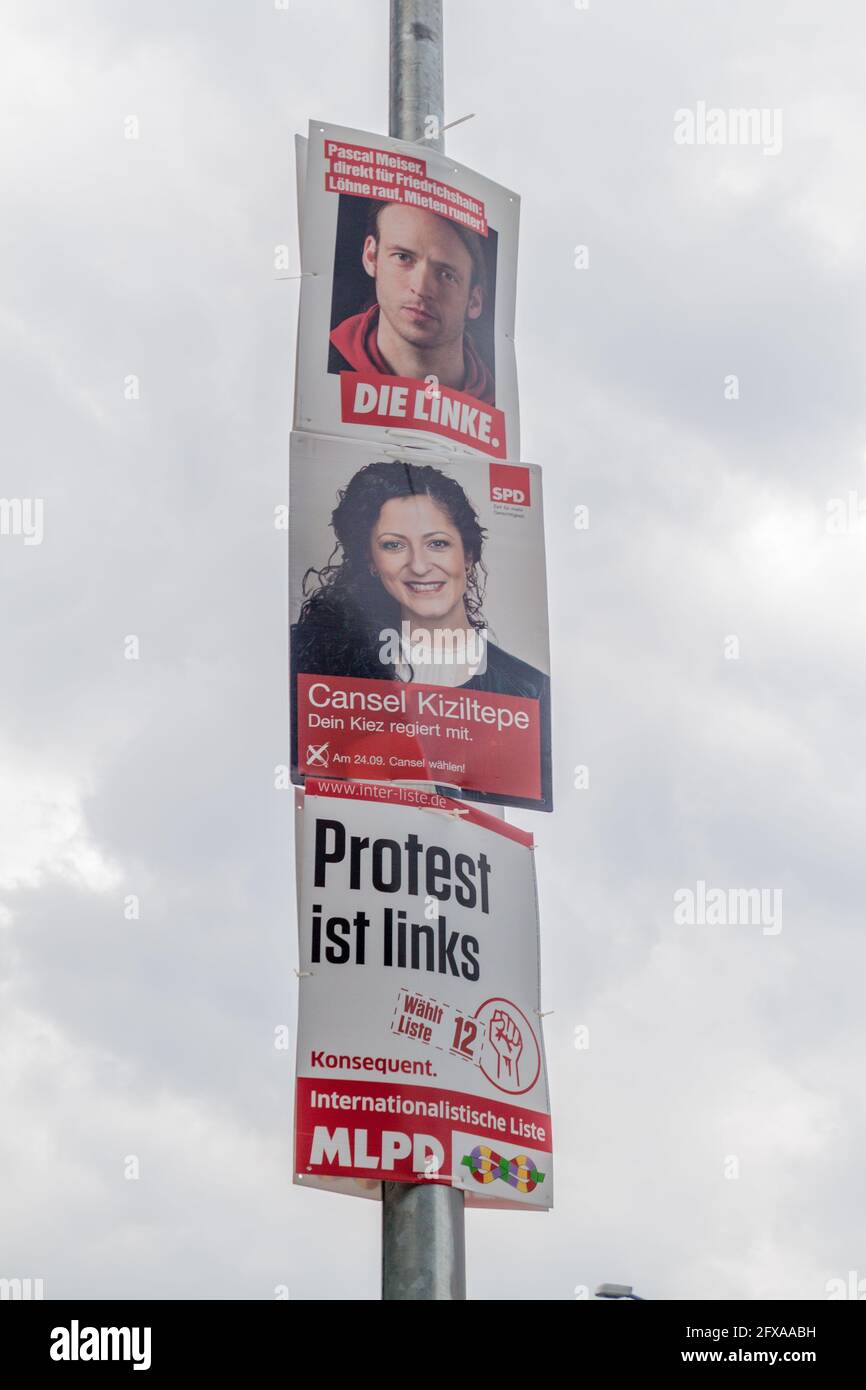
154, 257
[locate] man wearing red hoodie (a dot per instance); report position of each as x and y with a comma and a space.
430, 281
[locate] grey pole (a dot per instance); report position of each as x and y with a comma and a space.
416, 86
423, 1242
423, 1248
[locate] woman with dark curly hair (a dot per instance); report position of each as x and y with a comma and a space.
401, 594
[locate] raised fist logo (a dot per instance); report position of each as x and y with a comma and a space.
507, 1042
511, 1054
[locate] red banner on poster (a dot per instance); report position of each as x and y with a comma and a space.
477, 739
400, 403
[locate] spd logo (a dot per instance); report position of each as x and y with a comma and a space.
509, 483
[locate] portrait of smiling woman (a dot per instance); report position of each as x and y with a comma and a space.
401, 598
401, 595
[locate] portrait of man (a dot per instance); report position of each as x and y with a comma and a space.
430, 283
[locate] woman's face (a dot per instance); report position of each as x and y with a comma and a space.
418, 554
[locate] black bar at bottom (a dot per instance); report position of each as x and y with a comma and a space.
216, 1338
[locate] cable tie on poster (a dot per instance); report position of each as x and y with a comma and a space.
455, 812
452, 124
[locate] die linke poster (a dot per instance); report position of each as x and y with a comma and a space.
409, 267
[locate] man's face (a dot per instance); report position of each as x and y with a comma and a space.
423, 275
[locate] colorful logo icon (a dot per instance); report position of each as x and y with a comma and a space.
486, 1165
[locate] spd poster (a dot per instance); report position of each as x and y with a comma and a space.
418, 612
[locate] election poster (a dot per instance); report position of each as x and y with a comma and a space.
420, 1054
409, 267
418, 612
